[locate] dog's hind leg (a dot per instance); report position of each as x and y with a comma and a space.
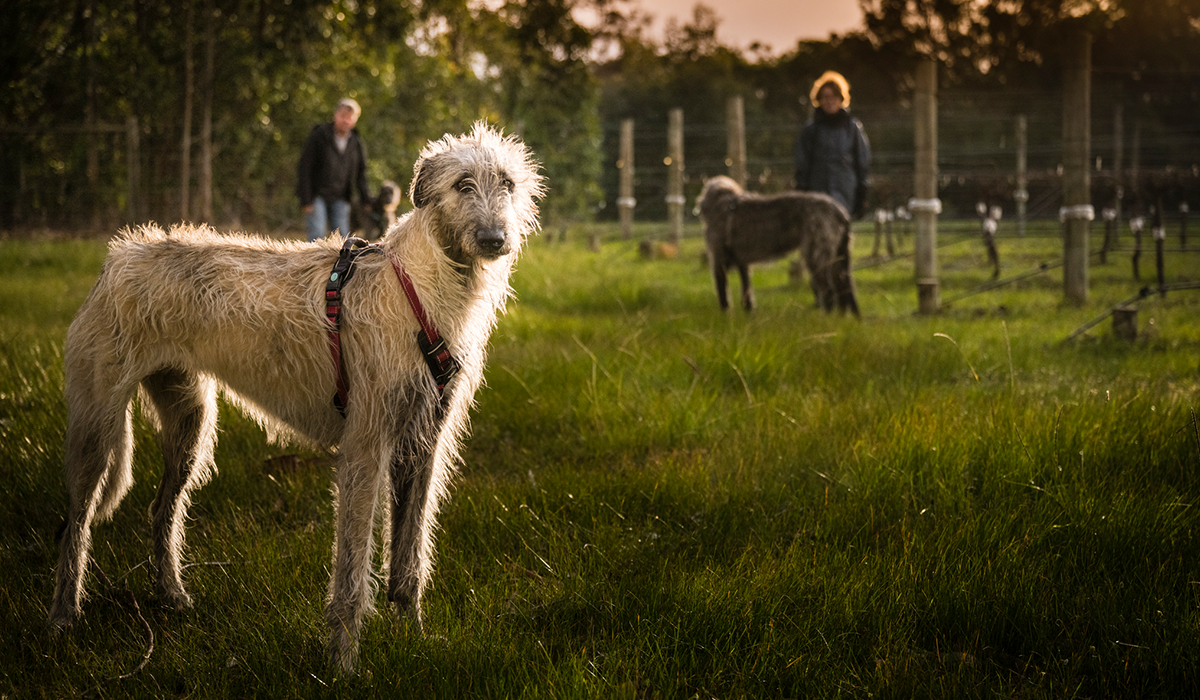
814, 283
98, 452
844, 283
847, 300
722, 282
186, 408
823, 279
747, 290
829, 293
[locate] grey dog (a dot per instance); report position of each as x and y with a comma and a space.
182, 315
383, 211
742, 228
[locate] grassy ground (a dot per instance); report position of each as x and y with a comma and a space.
662, 501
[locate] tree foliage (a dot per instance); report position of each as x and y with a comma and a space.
1014, 40
531, 66
418, 69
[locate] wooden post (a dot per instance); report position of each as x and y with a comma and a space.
1135, 225
1022, 194
1135, 159
990, 225
1183, 222
133, 170
185, 142
626, 202
93, 148
887, 232
926, 205
1160, 239
1118, 167
1109, 215
1076, 213
205, 212
879, 216
735, 129
674, 163
1125, 322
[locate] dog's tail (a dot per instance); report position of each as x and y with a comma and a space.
842, 279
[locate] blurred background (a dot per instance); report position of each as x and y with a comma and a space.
122, 111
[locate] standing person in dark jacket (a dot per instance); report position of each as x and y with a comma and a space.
832, 153
332, 165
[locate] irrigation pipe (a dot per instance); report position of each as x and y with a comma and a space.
1006, 281
905, 256
1044, 267
877, 263
1127, 249
1142, 294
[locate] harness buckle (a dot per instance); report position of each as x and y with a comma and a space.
441, 363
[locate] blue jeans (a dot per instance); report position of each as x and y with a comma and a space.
321, 220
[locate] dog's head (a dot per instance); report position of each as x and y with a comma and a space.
481, 189
717, 196
389, 196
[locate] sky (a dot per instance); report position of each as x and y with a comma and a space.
779, 23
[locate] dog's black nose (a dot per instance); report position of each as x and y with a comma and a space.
490, 240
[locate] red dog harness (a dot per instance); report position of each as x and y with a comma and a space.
437, 355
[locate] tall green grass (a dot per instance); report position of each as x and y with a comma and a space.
659, 500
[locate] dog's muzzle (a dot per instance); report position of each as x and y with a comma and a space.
491, 241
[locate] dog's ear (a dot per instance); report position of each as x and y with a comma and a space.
425, 180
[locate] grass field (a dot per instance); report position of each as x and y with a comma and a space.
661, 501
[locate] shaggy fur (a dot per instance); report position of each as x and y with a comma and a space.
741, 228
188, 313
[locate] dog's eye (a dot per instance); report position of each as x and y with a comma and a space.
465, 185
508, 183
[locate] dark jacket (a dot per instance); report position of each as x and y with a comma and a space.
327, 173
833, 156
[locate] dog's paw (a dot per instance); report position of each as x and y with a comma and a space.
59, 624
176, 599
408, 611
343, 653
62, 616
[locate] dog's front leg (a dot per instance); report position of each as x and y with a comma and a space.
360, 477
415, 471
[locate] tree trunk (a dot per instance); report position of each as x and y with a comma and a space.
93, 150
926, 205
205, 213
185, 143
675, 199
1077, 211
626, 202
735, 133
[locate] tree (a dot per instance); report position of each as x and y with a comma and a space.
1016, 39
551, 96
185, 142
205, 212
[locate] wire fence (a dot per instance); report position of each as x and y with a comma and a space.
64, 177
1151, 158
